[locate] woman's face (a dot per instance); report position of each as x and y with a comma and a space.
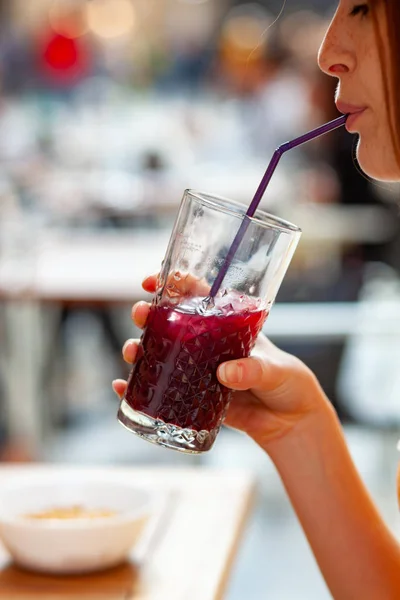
350, 53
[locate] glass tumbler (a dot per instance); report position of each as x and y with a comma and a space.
173, 396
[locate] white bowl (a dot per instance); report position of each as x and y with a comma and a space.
71, 545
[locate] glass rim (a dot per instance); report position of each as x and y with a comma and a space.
261, 218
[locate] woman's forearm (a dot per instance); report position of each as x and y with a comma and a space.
357, 554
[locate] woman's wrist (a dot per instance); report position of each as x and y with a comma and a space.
308, 432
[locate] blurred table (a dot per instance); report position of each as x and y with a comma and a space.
342, 225
107, 267
85, 266
332, 321
188, 553
64, 267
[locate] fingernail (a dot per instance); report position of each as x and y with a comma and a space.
134, 310
125, 346
149, 277
134, 315
113, 386
231, 372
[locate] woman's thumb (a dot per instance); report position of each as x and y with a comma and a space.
253, 372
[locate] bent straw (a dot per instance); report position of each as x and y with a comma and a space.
307, 137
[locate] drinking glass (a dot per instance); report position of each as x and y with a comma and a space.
173, 396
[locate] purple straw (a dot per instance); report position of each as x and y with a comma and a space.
263, 186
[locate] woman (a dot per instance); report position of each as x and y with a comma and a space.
279, 402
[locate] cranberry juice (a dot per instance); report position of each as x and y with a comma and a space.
175, 377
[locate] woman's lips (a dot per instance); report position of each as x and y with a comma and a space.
353, 111
351, 121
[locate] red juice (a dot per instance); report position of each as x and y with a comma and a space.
175, 377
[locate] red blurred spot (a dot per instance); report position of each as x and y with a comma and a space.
61, 53
64, 61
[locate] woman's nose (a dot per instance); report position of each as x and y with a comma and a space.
334, 58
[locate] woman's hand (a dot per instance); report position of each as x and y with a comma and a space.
274, 391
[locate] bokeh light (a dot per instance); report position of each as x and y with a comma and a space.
111, 18
68, 18
61, 53
245, 30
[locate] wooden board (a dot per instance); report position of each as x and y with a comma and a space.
187, 553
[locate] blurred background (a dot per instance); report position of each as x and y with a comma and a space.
109, 109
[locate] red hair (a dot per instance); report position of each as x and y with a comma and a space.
390, 64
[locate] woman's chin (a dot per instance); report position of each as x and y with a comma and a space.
379, 164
